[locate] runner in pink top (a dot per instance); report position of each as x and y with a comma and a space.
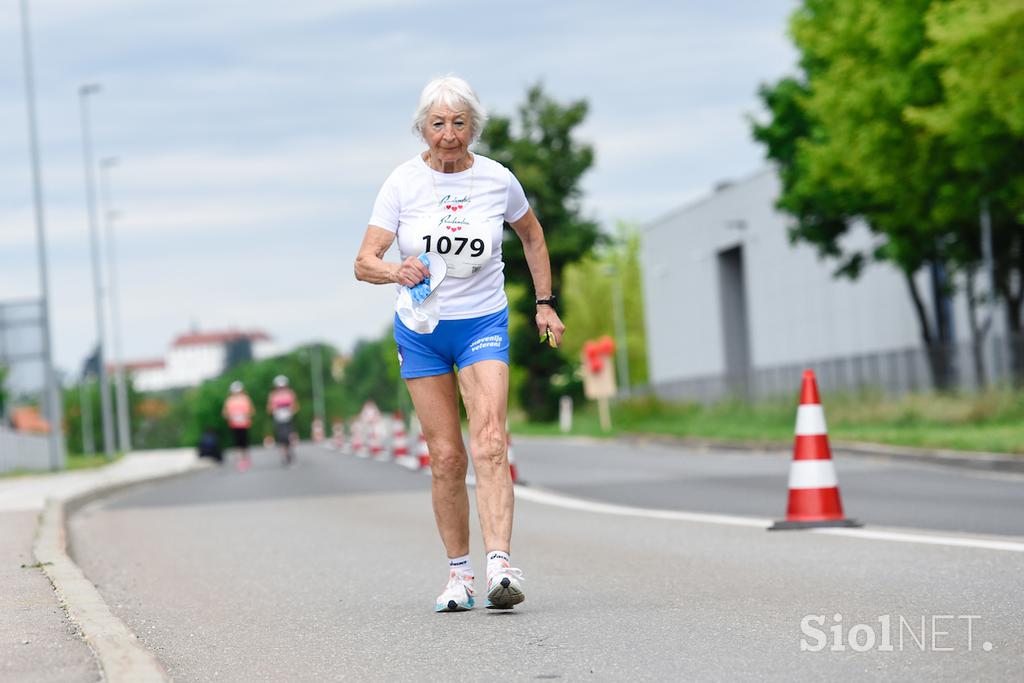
282, 405
238, 411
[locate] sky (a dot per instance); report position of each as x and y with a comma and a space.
251, 138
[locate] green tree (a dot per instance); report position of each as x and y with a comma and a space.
372, 374
207, 400
847, 151
589, 294
546, 158
3, 391
976, 50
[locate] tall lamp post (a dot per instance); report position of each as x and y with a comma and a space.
124, 425
84, 92
52, 400
316, 370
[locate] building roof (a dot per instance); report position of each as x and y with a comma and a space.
27, 419
209, 338
133, 365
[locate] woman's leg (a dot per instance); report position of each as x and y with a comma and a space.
437, 407
485, 392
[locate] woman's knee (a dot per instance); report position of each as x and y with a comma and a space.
448, 461
489, 444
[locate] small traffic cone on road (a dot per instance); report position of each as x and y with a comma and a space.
401, 445
359, 439
337, 435
513, 469
813, 487
317, 430
423, 452
375, 441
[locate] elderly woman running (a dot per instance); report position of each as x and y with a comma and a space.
453, 203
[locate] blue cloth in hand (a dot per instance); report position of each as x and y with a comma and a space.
421, 291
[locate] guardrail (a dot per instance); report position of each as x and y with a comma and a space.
23, 451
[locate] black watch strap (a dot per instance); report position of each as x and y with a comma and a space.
551, 301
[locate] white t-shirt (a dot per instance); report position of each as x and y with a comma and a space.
460, 216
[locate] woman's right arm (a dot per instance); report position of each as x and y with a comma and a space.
370, 265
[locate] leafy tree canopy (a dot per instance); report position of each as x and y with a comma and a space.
540, 149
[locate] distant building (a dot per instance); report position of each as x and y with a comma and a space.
733, 308
147, 375
198, 356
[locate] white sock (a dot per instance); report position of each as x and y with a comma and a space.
496, 559
461, 564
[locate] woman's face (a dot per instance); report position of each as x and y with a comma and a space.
448, 133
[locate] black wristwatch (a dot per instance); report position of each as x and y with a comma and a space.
551, 301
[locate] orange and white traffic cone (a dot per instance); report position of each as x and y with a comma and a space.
813, 487
376, 441
401, 445
423, 453
511, 458
337, 436
317, 430
359, 439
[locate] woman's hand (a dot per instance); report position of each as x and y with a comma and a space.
411, 272
550, 325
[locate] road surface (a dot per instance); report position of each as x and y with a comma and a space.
329, 571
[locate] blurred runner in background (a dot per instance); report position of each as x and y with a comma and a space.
238, 411
282, 405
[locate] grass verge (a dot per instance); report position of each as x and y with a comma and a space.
75, 461
992, 421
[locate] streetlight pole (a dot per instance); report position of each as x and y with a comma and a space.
124, 429
84, 92
52, 400
85, 413
316, 369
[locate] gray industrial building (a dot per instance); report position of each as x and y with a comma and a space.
733, 308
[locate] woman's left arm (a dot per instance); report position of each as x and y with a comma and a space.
536, 250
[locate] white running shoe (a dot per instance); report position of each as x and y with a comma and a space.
458, 595
505, 587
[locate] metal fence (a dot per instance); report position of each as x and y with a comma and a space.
962, 367
22, 355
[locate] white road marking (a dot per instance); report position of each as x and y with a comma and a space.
558, 500
903, 537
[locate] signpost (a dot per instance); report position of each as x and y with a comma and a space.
599, 376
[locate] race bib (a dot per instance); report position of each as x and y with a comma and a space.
239, 418
461, 237
282, 414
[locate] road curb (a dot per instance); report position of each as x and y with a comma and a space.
974, 460
122, 658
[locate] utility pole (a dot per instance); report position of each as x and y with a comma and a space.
85, 410
124, 425
84, 92
316, 369
51, 400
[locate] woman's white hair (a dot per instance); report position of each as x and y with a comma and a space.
454, 93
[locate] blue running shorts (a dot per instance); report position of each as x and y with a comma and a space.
452, 343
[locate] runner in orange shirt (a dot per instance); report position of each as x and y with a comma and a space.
238, 411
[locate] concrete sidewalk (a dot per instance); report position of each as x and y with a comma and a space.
38, 642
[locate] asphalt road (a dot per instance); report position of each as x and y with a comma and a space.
874, 490
328, 571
